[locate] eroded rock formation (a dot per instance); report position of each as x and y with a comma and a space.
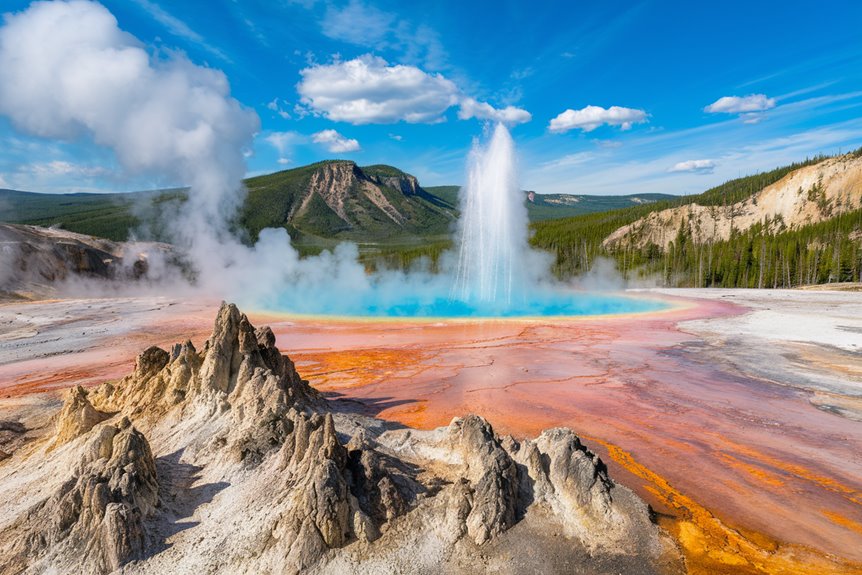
96, 517
255, 472
37, 261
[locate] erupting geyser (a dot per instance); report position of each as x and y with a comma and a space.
492, 232
492, 273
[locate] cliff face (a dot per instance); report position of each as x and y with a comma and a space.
35, 260
805, 196
346, 190
225, 460
341, 199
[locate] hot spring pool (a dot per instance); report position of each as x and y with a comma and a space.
549, 303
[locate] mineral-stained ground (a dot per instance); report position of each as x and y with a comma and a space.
736, 417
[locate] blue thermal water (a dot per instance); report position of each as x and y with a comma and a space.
546, 303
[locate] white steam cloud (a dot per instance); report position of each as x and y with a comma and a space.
68, 71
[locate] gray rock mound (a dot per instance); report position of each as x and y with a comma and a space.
37, 261
94, 523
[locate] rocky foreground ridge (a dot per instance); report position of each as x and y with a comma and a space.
224, 460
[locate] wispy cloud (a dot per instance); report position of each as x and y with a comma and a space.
279, 106
64, 168
362, 24
569, 160
283, 142
179, 28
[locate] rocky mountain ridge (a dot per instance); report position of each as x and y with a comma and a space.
224, 459
340, 199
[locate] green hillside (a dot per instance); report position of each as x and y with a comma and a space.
109, 215
281, 199
300, 201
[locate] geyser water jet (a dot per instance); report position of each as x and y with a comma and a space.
492, 231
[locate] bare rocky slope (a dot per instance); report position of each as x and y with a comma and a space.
338, 199
224, 460
35, 261
805, 196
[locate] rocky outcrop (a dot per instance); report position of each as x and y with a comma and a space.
319, 514
268, 477
805, 196
340, 199
404, 183
573, 482
11, 434
492, 476
95, 520
78, 416
41, 261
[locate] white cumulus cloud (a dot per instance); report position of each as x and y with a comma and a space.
510, 115
335, 142
741, 104
367, 90
694, 166
591, 117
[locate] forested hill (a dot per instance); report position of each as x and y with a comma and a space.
795, 225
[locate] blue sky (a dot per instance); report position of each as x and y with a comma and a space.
620, 97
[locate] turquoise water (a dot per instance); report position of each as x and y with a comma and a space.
548, 303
